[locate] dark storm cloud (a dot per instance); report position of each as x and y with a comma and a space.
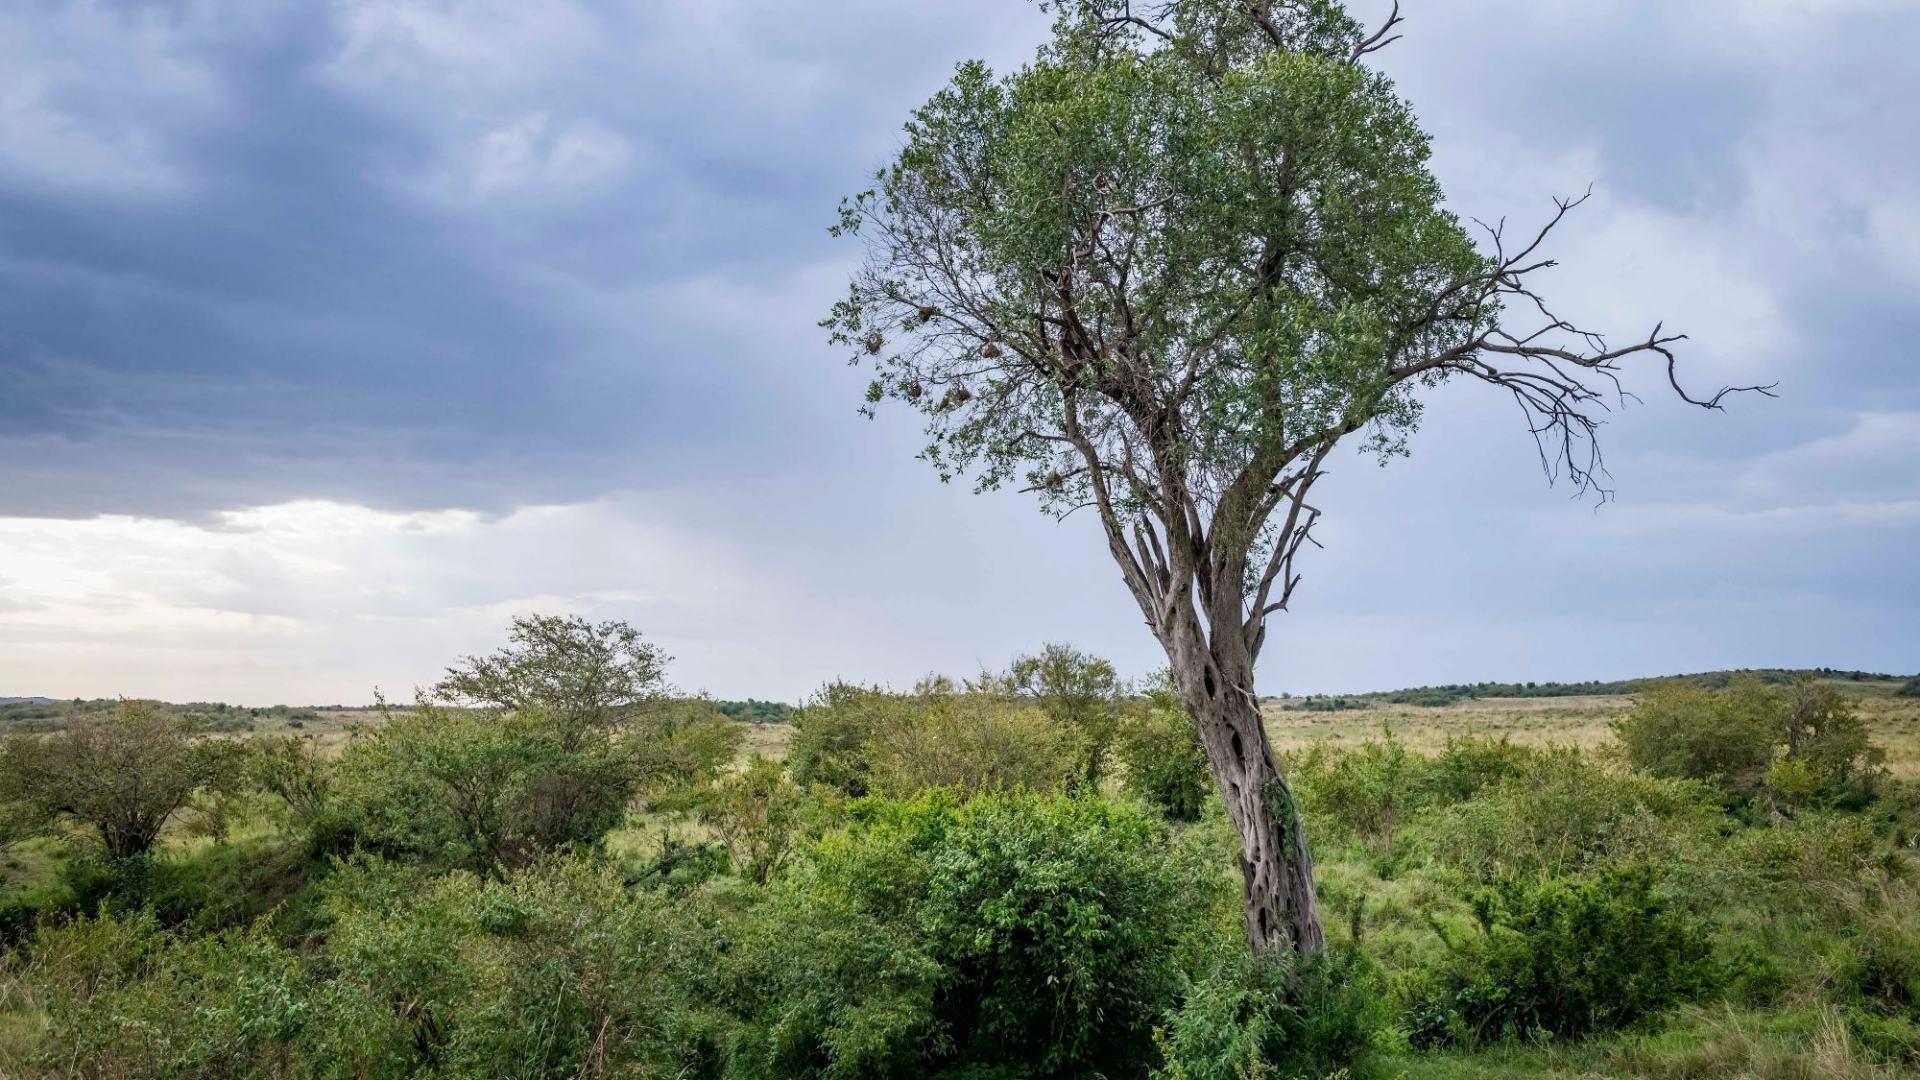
416, 254
413, 253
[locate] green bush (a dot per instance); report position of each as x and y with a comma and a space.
1367, 793
1566, 957
1725, 737
971, 742
478, 790
1055, 923
1262, 1016
554, 971
1564, 813
759, 815
1161, 758
821, 985
1471, 764
1801, 744
833, 736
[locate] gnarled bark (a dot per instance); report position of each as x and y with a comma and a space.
1215, 679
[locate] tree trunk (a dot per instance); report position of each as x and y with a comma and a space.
1276, 864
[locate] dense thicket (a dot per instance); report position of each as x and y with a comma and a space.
930, 884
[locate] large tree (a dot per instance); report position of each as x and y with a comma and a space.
1160, 273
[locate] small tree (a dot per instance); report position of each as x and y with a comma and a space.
1727, 736
1801, 742
833, 736
1079, 692
477, 790
121, 774
587, 676
757, 813
1160, 273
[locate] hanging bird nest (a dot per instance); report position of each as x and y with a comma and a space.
991, 350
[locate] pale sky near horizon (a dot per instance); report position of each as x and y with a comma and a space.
334, 334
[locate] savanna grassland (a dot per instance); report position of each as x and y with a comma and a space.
1577, 720
549, 865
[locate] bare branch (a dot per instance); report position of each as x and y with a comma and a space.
1379, 39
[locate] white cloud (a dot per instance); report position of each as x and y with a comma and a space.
323, 600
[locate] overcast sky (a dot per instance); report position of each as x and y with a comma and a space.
333, 334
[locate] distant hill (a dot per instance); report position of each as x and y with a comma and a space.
26, 701
1853, 682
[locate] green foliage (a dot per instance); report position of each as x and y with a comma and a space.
754, 711
1726, 737
1909, 689
585, 677
1799, 744
555, 971
121, 775
1520, 906
1161, 756
833, 736
677, 747
1563, 814
1469, 765
1567, 957
758, 814
971, 742
1055, 921
1272, 1016
1079, 692
999, 177
476, 790
859, 740
1368, 793
823, 984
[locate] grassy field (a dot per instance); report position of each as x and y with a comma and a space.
1559, 721
1585, 722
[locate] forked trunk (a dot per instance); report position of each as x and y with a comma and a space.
1276, 864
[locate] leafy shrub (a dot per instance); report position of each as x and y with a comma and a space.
1367, 792
833, 736
1055, 923
478, 790
587, 678
553, 971
224, 1005
1161, 757
1566, 957
1566, 812
822, 985
1470, 764
971, 742
758, 814
862, 741
1262, 1016
1686, 732
122, 774
1078, 692
676, 748
1802, 744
